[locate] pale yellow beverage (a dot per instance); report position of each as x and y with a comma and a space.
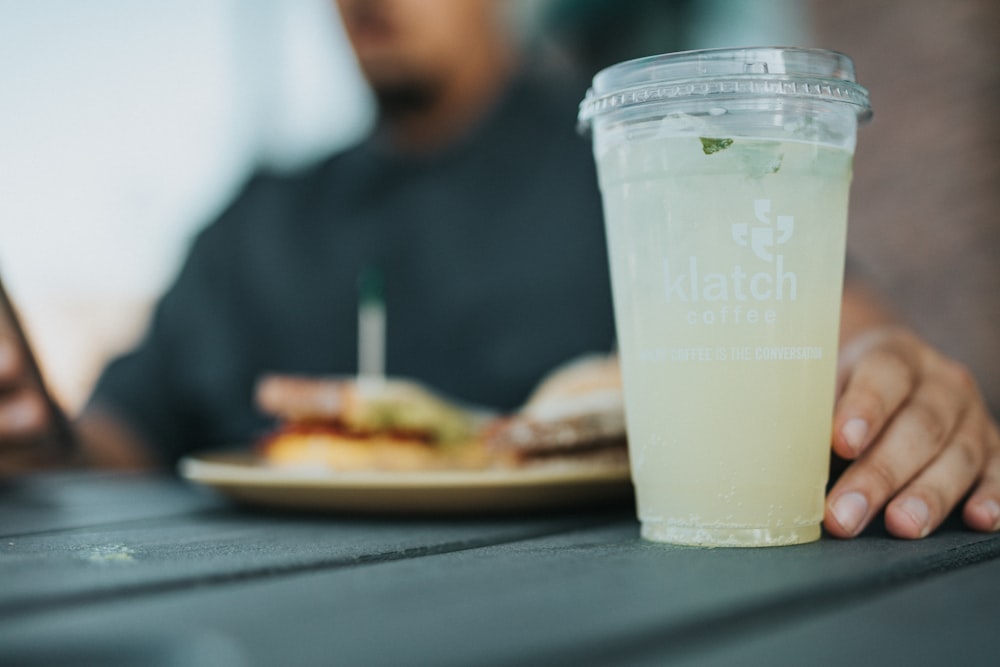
724, 176
727, 268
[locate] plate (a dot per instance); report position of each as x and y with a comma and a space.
244, 478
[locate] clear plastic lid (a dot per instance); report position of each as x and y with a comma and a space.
726, 74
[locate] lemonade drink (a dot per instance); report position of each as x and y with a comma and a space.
727, 289
726, 209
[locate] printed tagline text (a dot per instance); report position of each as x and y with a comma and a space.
769, 353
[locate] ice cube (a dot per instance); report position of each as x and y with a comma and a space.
682, 124
759, 158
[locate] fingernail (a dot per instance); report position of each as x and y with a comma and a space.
850, 510
919, 513
855, 431
992, 508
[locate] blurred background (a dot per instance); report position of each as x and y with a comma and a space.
126, 126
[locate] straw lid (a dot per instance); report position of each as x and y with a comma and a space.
726, 74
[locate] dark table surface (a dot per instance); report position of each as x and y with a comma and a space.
109, 569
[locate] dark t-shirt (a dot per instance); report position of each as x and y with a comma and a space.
494, 266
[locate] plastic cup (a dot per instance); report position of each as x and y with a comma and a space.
724, 176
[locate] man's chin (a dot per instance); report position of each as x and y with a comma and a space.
404, 99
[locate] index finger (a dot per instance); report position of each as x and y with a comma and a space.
874, 391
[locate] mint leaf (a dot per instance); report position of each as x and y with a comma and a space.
710, 146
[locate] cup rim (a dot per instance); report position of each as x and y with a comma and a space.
726, 74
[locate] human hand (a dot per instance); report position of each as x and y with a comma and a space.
22, 407
23, 412
920, 436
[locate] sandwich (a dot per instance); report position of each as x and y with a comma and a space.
351, 424
575, 416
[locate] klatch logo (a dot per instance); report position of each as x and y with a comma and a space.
764, 237
737, 293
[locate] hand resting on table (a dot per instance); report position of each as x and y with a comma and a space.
920, 437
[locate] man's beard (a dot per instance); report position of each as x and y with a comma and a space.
396, 101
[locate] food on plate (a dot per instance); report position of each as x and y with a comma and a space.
380, 424
576, 414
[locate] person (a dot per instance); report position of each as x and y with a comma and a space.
480, 205
466, 200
